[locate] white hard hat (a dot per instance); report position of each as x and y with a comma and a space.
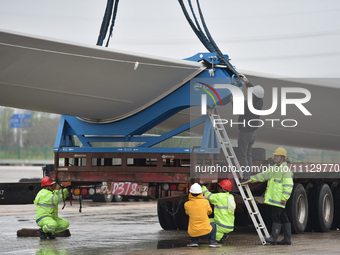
195, 188
258, 91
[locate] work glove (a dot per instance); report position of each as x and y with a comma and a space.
246, 182
243, 77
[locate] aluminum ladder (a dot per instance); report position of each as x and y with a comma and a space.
245, 191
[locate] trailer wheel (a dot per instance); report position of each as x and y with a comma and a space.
117, 198
108, 198
309, 191
336, 199
297, 208
181, 218
323, 208
165, 217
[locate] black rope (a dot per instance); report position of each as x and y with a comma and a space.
206, 37
112, 22
200, 36
218, 51
110, 11
105, 22
199, 27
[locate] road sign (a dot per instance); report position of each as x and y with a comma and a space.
22, 120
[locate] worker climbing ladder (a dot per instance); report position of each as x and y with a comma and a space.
245, 191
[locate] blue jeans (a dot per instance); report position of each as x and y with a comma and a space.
211, 235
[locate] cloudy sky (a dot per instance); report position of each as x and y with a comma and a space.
287, 37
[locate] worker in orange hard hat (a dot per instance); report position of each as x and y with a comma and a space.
47, 209
224, 208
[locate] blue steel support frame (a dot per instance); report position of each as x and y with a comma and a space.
131, 129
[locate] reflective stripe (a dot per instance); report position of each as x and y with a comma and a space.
287, 193
275, 202
40, 219
46, 205
209, 196
278, 181
264, 177
205, 191
221, 207
53, 229
257, 178
52, 201
288, 185
60, 228
59, 198
224, 226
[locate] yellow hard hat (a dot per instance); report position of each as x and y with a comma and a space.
281, 152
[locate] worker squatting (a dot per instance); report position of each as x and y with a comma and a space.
256, 123
248, 169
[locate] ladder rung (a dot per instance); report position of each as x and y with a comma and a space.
223, 138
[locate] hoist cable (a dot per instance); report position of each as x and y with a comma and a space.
206, 37
105, 22
197, 23
112, 22
211, 40
204, 41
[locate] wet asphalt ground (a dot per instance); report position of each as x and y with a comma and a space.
132, 228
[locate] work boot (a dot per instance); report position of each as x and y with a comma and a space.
224, 238
215, 245
192, 245
42, 234
50, 236
276, 228
287, 232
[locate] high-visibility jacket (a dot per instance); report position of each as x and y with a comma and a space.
47, 203
224, 208
280, 184
198, 210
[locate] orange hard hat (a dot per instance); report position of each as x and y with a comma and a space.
225, 184
46, 182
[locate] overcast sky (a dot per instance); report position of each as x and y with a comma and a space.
287, 37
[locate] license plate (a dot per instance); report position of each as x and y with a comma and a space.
129, 189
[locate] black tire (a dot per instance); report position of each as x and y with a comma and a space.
297, 209
323, 208
181, 218
117, 198
336, 199
102, 198
165, 216
309, 191
108, 198
97, 198
242, 218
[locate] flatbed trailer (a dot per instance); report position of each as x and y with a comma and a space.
86, 153
314, 204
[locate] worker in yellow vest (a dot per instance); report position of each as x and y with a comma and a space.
47, 209
224, 208
279, 189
